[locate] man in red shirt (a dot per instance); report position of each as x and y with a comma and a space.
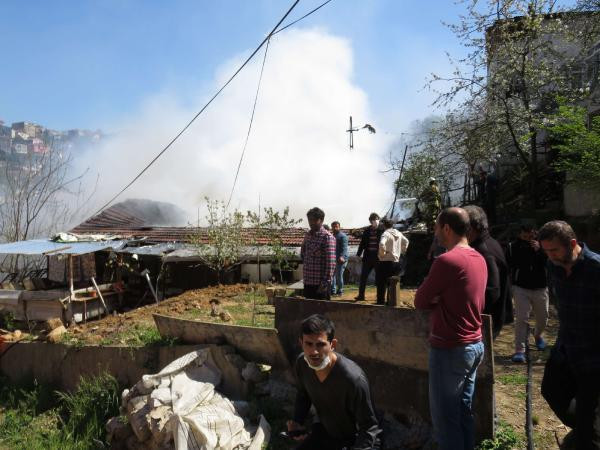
454, 291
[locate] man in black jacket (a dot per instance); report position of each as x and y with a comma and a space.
339, 391
497, 292
368, 247
527, 262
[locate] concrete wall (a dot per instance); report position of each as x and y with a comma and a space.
63, 366
579, 201
390, 344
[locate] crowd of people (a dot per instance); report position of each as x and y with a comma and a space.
471, 276
324, 255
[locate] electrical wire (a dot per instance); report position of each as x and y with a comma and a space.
257, 91
303, 17
265, 40
262, 68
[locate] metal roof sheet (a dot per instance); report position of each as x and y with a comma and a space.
46, 247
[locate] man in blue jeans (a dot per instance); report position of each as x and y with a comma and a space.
341, 259
454, 292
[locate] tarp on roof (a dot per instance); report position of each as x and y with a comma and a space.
46, 247
161, 249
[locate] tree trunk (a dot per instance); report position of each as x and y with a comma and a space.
534, 169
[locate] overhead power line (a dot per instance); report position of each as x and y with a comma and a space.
265, 40
262, 68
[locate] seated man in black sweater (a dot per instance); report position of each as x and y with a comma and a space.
339, 391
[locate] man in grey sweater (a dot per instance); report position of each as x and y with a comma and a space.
339, 391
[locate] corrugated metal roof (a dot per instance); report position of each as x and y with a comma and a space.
46, 247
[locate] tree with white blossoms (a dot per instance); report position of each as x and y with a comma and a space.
268, 233
220, 244
520, 54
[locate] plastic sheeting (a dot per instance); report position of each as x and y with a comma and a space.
180, 404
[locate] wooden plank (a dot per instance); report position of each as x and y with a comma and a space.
260, 345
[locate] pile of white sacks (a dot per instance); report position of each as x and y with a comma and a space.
179, 408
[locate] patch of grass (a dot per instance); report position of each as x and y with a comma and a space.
33, 416
513, 379
506, 438
140, 335
277, 418
72, 340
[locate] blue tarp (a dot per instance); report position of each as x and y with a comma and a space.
46, 247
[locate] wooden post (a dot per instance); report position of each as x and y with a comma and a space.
71, 278
393, 292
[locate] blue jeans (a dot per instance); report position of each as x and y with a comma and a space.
451, 386
337, 282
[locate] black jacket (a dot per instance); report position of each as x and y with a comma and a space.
528, 266
498, 302
364, 242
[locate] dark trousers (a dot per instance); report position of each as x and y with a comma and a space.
385, 270
318, 439
560, 386
368, 263
312, 291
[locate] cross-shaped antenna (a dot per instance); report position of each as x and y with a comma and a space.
351, 130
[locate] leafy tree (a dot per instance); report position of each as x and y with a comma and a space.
520, 53
578, 143
269, 229
220, 244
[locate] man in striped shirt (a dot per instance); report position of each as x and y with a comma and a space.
318, 257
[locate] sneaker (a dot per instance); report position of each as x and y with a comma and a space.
540, 343
518, 357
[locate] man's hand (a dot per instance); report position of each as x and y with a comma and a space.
342, 260
295, 427
535, 245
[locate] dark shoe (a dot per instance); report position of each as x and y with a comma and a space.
540, 343
358, 298
518, 358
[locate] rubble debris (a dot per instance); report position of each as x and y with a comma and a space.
53, 323
180, 408
55, 335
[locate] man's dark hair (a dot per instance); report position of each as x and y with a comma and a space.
527, 227
387, 223
478, 220
456, 218
316, 213
557, 229
317, 324
334, 223
373, 216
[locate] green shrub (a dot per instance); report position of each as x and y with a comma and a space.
506, 438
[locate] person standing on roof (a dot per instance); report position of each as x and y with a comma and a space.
392, 246
431, 202
318, 257
341, 259
368, 248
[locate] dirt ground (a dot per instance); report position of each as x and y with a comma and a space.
136, 327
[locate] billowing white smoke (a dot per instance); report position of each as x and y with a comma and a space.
297, 154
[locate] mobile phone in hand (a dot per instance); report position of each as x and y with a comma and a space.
293, 433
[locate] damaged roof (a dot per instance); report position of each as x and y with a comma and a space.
121, 221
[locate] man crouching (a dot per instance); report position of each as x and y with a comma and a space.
339, 391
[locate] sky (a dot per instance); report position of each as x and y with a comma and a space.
140, 69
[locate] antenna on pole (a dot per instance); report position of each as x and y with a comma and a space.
352, 130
